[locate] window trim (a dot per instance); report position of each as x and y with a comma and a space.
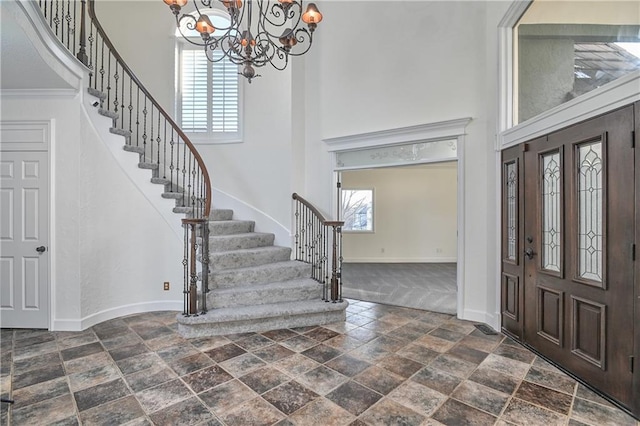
208, 138
373, 211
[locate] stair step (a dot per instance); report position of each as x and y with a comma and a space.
221, 214
248, 257
173, 195
263, 294
108, 113
219, 243
228, 227
274, 316
133, 148
263, 274
121, 132
97, 93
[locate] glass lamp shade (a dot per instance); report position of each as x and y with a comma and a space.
312, 14
179, 3
232, 3
204, 25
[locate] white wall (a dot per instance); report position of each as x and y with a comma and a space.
110, 249
257, 171
382, 65
415, 218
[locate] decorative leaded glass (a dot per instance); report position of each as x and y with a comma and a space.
551, 209
512, 212
590, 211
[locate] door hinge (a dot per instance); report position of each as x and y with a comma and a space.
631, 362
633, 252
339, 185
633, 139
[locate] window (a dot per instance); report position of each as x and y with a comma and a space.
357, 209
567, 49
209, 96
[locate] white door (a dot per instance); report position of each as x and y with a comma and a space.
24, 258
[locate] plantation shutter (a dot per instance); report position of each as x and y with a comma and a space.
224, 95
194, 91
210, 93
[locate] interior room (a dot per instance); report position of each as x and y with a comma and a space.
171, 177
406, 256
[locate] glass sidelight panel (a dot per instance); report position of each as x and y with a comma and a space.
551, 212
511, 171
590, 199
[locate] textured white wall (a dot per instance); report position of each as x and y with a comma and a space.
110, 249
415, 217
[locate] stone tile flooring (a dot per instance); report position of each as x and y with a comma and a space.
384, 366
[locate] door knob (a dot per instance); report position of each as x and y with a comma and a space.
41, 249
529, 253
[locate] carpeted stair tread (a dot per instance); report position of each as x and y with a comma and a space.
242, 258
262, 274
261, 294
220, 243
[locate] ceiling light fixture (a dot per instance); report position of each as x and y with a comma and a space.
269, 37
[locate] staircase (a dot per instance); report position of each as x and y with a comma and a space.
252, 284
255, 286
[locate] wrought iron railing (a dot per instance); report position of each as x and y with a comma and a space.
148, 129
318, 242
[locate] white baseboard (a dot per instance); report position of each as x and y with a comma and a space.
400, 260
480, 316
120, 311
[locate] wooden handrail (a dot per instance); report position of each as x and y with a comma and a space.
316, 212
167, 117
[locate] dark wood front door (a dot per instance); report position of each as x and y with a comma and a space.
578, 267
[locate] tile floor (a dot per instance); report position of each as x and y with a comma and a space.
385, 365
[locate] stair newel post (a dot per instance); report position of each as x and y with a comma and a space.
189, 262
339, 266
334, 264
205, 262
185, 267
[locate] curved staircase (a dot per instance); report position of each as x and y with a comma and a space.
252, 284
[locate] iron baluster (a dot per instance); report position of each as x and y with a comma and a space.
164, 145
172, 143
102, 71
144, 130
151, 138
130, 106
116, 77
108, 78
56, 19
158, 140
185, 267
138, 117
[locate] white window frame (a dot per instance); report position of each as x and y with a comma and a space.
373, 210
208, 137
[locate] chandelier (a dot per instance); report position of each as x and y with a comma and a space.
249, 36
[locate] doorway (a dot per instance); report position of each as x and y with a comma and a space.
400, 235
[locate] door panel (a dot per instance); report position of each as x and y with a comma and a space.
578, 228
512, 293
24, 298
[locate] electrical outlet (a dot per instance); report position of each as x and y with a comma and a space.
166, 285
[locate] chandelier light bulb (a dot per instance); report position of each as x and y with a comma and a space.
175, 5
204, 25
312, 15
